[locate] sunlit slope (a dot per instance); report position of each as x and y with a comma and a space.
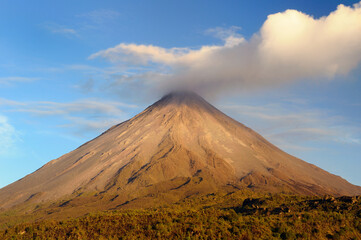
182, 145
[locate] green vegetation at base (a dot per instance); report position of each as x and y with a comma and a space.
211, 217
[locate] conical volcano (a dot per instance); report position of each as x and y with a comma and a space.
177, 147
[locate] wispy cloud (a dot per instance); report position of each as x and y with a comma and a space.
81, 25
293, 127
99, 16
290, 46
230, 35
81, 116
17, 79
8, 135
81, 125
89, 106
84, 68
67, 31
61, 29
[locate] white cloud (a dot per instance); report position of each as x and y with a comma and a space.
312, 47
290, 46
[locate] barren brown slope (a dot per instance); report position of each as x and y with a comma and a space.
180, 144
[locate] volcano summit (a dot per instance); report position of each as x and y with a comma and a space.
178, 147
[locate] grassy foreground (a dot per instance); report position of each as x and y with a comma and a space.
231, 216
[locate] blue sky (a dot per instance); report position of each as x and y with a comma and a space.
71, 69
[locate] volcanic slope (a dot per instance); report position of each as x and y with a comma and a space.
177, 147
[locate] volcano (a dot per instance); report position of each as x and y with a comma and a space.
178, 147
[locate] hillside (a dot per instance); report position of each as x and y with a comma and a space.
180, 146
240, 215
